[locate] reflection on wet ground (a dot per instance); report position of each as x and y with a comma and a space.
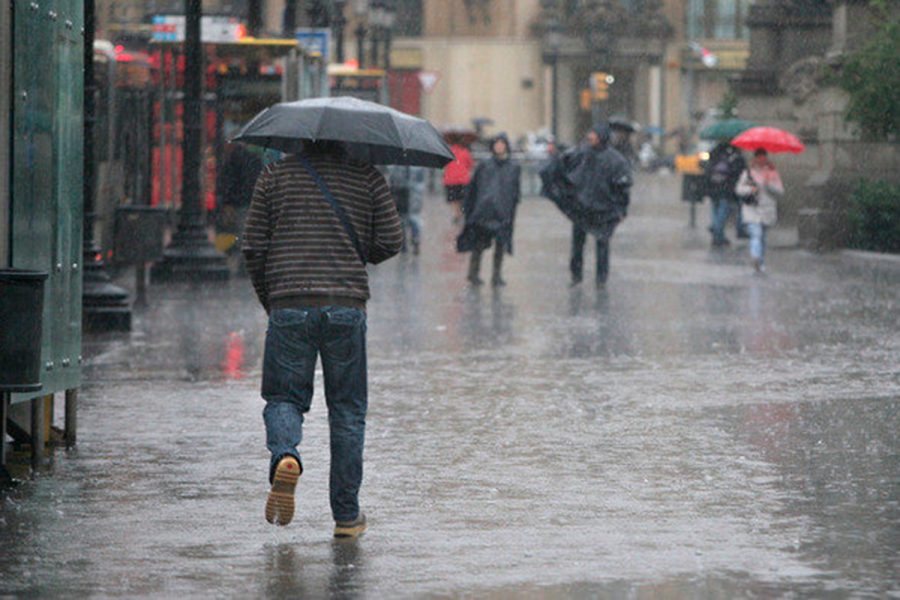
688, 431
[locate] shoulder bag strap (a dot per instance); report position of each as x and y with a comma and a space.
338, 209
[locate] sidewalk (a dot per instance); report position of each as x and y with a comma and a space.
688, 430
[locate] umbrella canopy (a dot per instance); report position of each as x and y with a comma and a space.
623, 124
726, 130
370, 132
770, 139
457, 134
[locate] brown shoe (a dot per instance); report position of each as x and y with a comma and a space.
350, 529
280, 503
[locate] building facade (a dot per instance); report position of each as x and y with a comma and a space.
670, 60
496, 59
794, 44
483, 61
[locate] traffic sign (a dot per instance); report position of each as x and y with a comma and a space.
315, 40
428, 80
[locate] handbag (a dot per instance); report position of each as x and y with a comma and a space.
752, 198
338, 209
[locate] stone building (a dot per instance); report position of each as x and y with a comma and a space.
654, 51
496, 58
793, 46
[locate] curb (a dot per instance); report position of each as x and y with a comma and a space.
881, 258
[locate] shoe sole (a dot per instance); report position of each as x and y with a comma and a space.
280, 503
345, 532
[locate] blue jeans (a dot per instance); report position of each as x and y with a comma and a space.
721, 208
757, 233
294, 339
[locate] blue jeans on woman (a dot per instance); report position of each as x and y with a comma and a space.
294, 340
757, 233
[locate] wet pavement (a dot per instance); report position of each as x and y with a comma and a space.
689, 431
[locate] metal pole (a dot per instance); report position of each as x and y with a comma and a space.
254, 17
191, 256
388, 41
361, 45
192, 111
4, 403
339, 22
161, 148
71, 424
172, 166
37, 433
289, 26
105, 306
375, 33
554, 100
6, 84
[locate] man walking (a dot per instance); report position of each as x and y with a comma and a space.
315, 220
602, 180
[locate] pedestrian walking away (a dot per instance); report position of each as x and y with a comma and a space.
490, 211
408, 188
722, 170
315, 220
602, 181
759, 188
457, 175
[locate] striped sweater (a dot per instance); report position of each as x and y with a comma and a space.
295, 247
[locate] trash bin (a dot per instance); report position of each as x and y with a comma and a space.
21, 319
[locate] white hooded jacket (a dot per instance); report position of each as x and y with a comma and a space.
770, 190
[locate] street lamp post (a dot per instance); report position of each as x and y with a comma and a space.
190, 256
554, 42
360, 9
390, 18
289, 21
338, 22
254, 17
105, 306
376, 23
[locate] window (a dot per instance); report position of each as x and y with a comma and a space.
409, 18
717, 19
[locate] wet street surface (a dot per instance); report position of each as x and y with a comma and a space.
691, 430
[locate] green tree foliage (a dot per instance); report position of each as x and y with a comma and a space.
875, 216
728, 105
871, 76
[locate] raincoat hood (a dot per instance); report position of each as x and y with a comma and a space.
505, 138
602, 131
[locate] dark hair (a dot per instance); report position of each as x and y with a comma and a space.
760, 152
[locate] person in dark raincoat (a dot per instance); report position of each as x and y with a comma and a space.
722, 171
490, 210
591, 185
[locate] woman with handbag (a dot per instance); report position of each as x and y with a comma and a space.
759, 189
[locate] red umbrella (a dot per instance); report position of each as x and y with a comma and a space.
770, 139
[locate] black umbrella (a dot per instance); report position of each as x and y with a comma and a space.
370, 132
622, 123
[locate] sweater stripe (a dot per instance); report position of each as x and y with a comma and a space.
293, 242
